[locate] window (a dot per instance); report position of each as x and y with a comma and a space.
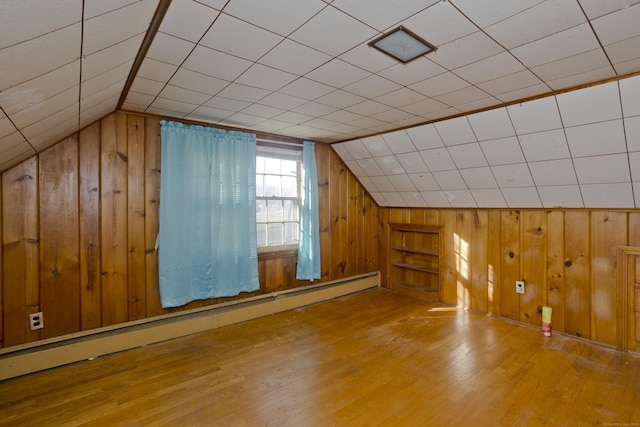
278, 184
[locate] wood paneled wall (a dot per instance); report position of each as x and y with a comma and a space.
567, 259
79, 225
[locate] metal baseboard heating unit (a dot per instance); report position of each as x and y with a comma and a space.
45, 354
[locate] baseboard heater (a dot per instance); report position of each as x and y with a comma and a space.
45, 354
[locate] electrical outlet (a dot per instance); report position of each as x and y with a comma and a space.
520, 286
36, 321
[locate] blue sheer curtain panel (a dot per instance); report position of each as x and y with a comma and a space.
309, 245
207, 241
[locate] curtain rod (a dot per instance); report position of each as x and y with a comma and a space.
269, 141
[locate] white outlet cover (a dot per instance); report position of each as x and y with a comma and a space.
520, 287
36, 321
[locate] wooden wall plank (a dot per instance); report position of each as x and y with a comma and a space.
510, 264
1, 273
533, 265
114, 219
151, 217
462, 239
576, 273
479, 264
20, 242
137, 293
449, 257
89, 199
337, 179
494, 257
353, 203
556, 286
608, 231
59, 238
323, 157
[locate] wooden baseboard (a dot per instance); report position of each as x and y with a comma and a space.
34, 357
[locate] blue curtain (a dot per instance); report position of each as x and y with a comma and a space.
309, 245
207, 241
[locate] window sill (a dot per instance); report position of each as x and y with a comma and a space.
274, 252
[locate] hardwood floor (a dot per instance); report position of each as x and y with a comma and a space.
369, 359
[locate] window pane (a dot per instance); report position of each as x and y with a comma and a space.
291, 234
272, 186
261, 210
289, 186
274, 234
259, 164
290, 210
259, 185
272, 166
288, 167
262, 234
274, 207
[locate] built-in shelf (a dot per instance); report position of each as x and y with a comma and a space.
414, 259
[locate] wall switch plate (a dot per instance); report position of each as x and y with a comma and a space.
35, 321
520, 286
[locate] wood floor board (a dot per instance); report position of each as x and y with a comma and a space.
375, 358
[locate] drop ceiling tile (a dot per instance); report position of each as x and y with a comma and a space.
337, 73
387, 14
110, 78
369, 124
183, 95
596, 8
466, 50
281, 17
636, 193
461, 199
547, 145
13, 149
207, 61
307, 89
38, 90
320, 123
130, 21
630, 96
634, 161
557, 46
242, 93
440, 23
450, 180
294, 57
38, 56
190, 80
467, 156
468, 99
502, 151
491, 124
372, 86
624, 55
137, 101
425, 108
264, 77
393, 198
515, 86
436, 199
156, 70
383, 183
93, 8
602, 169
413, 72
38, 111
399, 142
401, 97
367, 184
97, 106
491, 11
356, 149
390, 165
345, 33
176, 108
294, 118
425, 137
253, 44
24, 20
340, 99
210, 114
561, 196
489, 198
455, 131
370, 167
564, 71
479, 178
544, 19
341, 116
440, 84
632, 131
513, 175
368, 108
353, 166
437, 159
188, 20
413, 200
590, 105
618, 26
169, 49
6, 127
50, 129
376, 146
618, 195
535, 116
553, 172
581, 78
519, 94
412, 163
596, 138
121, 53
402, 182
526, 197
242, 120
424, 181
491, 68
368, 58
311, 108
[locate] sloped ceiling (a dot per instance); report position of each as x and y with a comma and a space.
303, 69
